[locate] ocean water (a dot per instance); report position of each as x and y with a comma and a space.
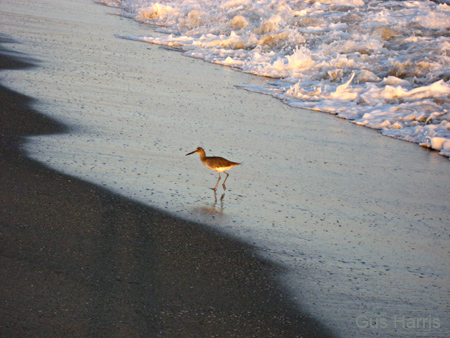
381, 64
359, 221
364, 265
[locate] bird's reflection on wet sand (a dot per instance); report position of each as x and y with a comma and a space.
216, 207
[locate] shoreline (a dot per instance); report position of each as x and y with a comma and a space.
355, 219
78, 260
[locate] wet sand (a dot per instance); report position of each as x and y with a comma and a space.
79, 261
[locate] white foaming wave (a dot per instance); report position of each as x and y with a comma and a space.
381, 64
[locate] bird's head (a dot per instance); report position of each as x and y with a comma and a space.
198, 150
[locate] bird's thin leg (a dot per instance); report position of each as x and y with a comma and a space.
215, 188
223, 184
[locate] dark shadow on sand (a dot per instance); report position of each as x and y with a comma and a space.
79, 261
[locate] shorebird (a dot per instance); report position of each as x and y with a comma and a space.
215, 163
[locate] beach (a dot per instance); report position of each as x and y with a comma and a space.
80, 261
109, 229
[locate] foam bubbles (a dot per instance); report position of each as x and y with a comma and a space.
376, 63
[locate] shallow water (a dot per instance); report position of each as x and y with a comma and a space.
359, 220
380, 64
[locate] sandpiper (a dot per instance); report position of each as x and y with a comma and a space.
215, 163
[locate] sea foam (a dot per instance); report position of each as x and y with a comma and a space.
380, 64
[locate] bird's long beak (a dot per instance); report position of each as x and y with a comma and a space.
191, 153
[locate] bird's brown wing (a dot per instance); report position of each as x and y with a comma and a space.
220, 162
